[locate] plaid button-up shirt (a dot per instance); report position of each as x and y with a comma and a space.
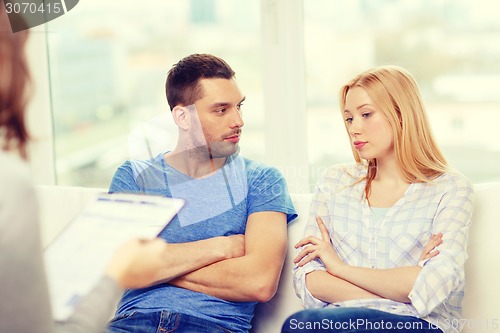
397, 239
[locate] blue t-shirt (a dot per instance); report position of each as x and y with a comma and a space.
218, 205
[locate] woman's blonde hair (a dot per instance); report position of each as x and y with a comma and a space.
395, 92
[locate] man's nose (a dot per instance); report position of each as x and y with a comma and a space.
237, 119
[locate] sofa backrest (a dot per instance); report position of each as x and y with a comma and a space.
60, 204
481, 307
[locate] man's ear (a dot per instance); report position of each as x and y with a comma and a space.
181, 117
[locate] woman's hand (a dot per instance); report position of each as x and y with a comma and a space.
429, 251
319, 248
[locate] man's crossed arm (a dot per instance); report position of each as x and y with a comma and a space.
235, 274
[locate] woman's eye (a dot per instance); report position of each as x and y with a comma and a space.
349, 120
367, 114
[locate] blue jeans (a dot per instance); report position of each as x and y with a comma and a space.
162, 322
348, 320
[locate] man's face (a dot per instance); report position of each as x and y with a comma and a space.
219, 112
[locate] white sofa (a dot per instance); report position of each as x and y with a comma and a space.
59, 204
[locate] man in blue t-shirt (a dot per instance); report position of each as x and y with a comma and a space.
232, 229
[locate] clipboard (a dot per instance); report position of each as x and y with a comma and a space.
76, 259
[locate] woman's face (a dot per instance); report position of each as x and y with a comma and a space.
368, 128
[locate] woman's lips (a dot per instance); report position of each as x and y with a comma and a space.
359, 144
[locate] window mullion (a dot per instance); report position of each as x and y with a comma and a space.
284, 90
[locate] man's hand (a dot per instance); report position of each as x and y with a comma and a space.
232, 246
252, 274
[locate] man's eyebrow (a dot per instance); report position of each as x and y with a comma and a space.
225, 104
219, 104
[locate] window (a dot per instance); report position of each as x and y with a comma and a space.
449, 46
109, 59
108, 65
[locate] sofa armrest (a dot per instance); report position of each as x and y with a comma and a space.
58, 205
270, 316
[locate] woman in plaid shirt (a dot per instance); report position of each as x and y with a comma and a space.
363, 266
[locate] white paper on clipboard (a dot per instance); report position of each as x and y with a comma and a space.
76, 259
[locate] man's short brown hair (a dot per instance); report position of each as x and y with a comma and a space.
182, 86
